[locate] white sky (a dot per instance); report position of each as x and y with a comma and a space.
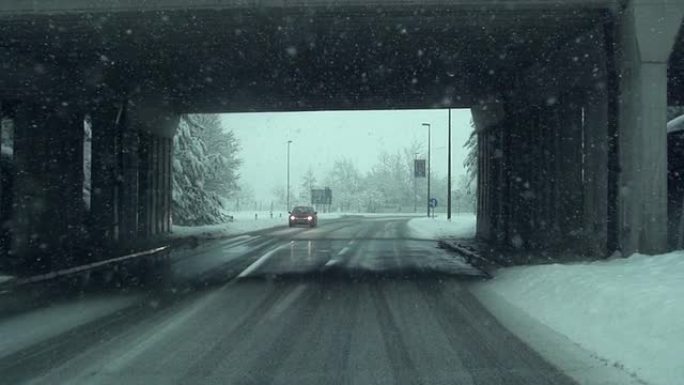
320, 138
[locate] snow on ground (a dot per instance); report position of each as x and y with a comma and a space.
6, 150
243, 222
460, 226
27, 329
628, 313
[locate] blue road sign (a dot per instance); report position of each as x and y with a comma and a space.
433, 202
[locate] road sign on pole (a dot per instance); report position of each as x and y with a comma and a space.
432, 203
419, 168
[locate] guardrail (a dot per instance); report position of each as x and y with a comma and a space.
17, 282
472, 257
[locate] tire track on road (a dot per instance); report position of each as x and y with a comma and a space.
403, 368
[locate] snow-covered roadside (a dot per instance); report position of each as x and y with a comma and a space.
460, 226
243, 222
628, 313
27, 329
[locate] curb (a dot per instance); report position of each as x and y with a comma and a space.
471, 255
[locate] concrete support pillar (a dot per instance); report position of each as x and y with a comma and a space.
534, 194
49, 207
156, 124
154, 184
106, 121
595, 134
484, 186
6, 181
487, 119
129, 159
131, 171
547, 190
571, 166
646, 35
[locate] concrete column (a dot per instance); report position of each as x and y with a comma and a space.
570, 177
129, 159
6, 184
145, 184
547, 180
646, 35
483, 225
106, 123
167, 183
495, 180
596, 173
487, 118
156, 124
49, 210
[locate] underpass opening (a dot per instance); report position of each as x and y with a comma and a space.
346, 162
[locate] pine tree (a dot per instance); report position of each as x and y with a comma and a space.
204, 170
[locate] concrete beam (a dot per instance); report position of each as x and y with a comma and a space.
579, 64
15, 7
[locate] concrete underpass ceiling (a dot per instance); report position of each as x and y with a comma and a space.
353, 58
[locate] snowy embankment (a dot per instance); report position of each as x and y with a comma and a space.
243, 222
24, 330
460, 226
618, 322
627, 313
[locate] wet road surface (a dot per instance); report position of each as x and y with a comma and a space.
353, 301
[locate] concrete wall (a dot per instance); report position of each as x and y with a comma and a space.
51, 224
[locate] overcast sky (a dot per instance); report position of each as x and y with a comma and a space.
320, 138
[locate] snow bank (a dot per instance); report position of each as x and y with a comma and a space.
243, 222
27, 329
628, 312
460, 226
5, 278
238, 226
6, 150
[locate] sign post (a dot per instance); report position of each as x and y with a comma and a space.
418, 172
322, 196
432, 203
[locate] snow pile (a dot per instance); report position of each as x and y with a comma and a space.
460, 226
5, 278
243, 222
6, 151
27, 329
628, 312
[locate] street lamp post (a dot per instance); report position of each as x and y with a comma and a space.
449, 170
428, 167
289, 142
415, 184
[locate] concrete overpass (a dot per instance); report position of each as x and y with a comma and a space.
568, 96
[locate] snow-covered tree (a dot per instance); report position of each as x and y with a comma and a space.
346, 183
222, 152
470, 162
202, 172
308, 182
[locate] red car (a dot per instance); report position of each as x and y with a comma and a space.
303, 215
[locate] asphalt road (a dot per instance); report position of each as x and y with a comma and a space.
354, 301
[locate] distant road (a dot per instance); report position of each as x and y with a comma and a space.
354, 301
